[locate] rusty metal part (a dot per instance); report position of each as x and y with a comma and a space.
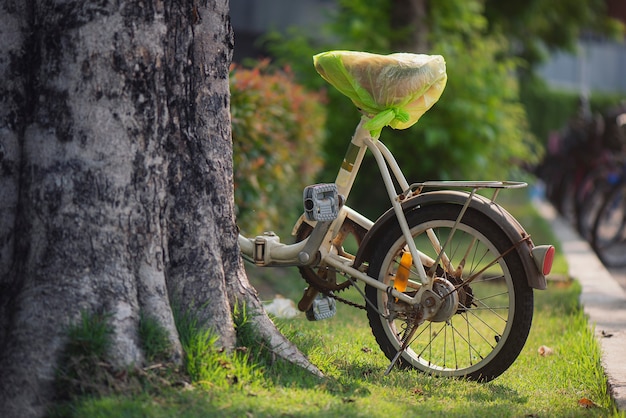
323, 278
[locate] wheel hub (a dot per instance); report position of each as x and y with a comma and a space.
442, 302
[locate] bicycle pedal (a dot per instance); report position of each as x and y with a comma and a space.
323, 307
321, 202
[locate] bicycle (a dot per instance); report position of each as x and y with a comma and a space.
608, 237
448, 274
593, 190
608, 234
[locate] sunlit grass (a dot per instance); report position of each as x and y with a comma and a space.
355, 385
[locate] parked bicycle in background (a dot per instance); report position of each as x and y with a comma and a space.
585, 177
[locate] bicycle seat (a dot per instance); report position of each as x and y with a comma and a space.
392, 90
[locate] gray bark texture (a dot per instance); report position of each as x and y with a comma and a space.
411, 15
115, 181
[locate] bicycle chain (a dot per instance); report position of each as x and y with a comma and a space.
331, 293
346, 301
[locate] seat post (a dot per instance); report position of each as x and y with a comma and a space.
352, 159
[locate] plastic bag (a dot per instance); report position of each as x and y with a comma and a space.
282, 307
394, 90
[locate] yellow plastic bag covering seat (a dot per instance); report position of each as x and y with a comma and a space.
393, 90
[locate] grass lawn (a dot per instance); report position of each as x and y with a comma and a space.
569, 382
557, 385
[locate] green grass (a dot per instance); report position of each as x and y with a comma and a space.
154, 339
254, 385
356, 387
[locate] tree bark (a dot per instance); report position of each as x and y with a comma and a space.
411, 15
11, 95
116, 181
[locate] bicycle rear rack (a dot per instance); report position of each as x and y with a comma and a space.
416, 188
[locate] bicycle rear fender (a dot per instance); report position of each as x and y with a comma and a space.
509, 225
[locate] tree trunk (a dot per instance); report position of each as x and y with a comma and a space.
411, 15
116, 181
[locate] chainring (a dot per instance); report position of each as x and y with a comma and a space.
322, 277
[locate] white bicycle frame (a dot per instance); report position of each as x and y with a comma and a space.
267, 250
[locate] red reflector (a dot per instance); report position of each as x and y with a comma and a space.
547, 261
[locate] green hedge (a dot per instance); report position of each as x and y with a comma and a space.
278, 130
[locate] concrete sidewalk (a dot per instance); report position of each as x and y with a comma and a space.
603, 298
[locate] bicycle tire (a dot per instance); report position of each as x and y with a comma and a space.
589, 210
609, 230
486, 334
591, 193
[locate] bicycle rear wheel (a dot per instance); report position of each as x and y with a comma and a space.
589, 209
609, 231
485, 334
590, 194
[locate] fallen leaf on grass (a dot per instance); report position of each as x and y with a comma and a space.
586, 403
417, 391
545, 351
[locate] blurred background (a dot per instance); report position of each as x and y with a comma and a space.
597, 63
527, 82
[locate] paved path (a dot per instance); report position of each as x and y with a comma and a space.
603, 297
620, 276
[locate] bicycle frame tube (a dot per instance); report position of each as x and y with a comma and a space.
391, 162
277, 254
282, 254
352, 160
385, 160
361, 141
